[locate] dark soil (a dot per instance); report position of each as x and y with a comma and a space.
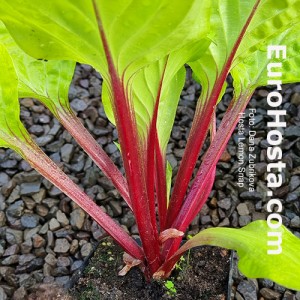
202, 274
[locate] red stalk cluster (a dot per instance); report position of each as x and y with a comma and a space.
144, 188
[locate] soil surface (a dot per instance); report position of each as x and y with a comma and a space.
201, 274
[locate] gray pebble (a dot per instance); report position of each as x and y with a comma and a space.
63, 261
3, 295
76, 265
2, 218
294, 183
251, 196
116, 207
61, 218
44, 119
29, 233
86, 249
176, 133
269, 294
292, 132
47, 270
295, 222
61, 246
14, 236
242, 209
247, 289
67, 151
205, 220
101, 132
35, 264
244, 220
38, 241
258, 216
9, 164
225, 223
20, 293
78, 105
288, 295
74, 246
64, 232
50, 239
54, 191
266, 283
50, 202
84, 83
44, 229
260, 168
55, 129
10, 260
29, 220
128, 220
16, 209
225, 203
50, 259
26, 246
44, 140
291, 197
1, 250
30, 188
110, 148
42, 210
8, 188
105, 183
37, 130
29, 202
77, 218
54, 224
62, 280
4, 178
172, 160
26, 258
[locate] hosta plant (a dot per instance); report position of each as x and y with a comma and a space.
140, 48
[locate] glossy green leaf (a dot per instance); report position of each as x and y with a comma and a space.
69, 30
63, 30
11, 128
170, 73
139, 34
144, 91
47, 81
251, 244
228, 18
161, 81
249, 67
169, 180
274, 22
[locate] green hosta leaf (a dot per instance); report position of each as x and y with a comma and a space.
106, 97
228, 19
167, 108
251, 243
11, 128
145, 90
137, 32
64, 30
273, 22
250, 64
161, 81
168, 179
47, 81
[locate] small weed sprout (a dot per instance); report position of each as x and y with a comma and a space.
170, 287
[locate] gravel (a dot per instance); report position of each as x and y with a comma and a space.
45, 237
